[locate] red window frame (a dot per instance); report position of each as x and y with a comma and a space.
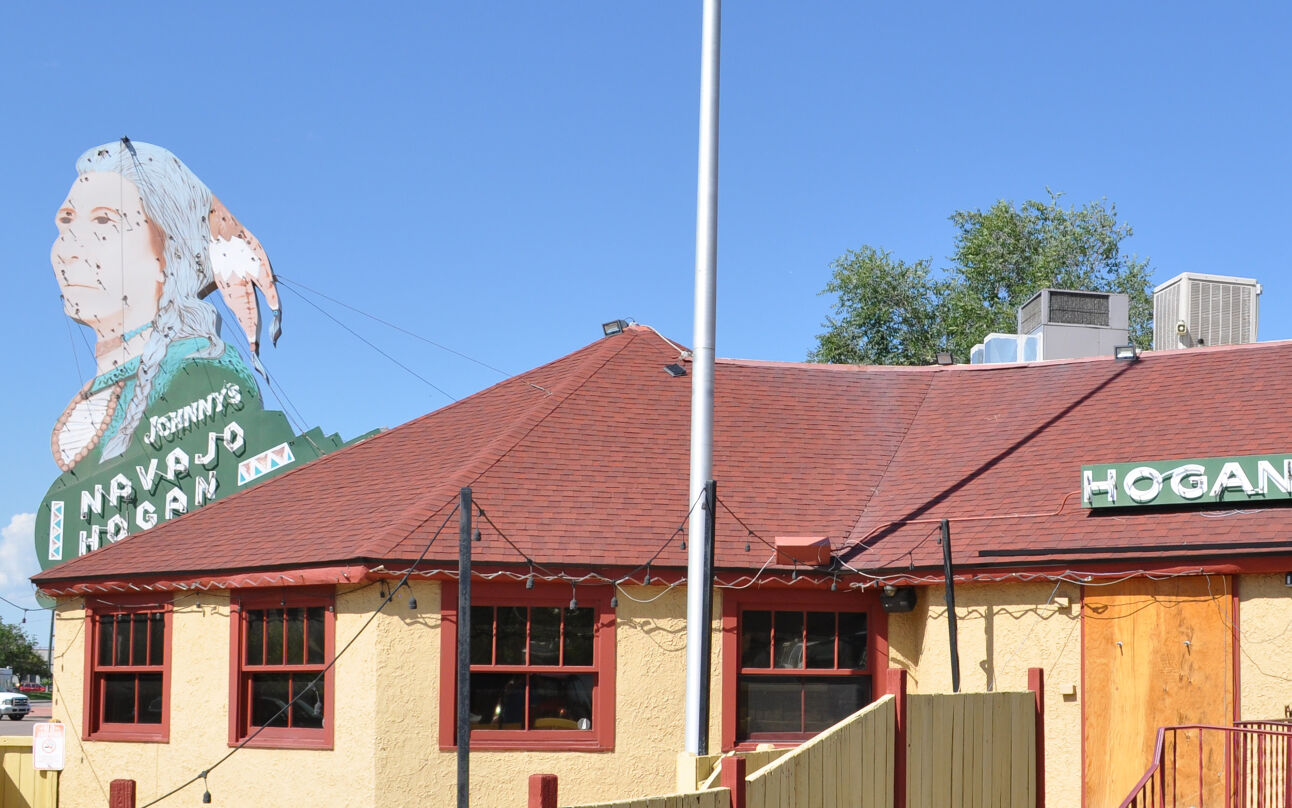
601, 737
94, 727
241, 606
736, 602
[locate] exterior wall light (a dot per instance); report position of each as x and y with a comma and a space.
1125, 353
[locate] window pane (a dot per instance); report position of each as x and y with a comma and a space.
827, 701
156, 638
270, 693
770, 704
119, 698
105, 639
121, 639
578, 636
139, 639
756, 640
545, 636
481, 635
314, 634
295, 636
274, 637
307, 711
560, 702
788, 632
497, 701
852, 640
150, 698
820, 640
511, 635
256, 637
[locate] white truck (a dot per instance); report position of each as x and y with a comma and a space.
12, 703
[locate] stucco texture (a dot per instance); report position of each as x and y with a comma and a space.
1003, 629
1265, 647
386, 749
199, 726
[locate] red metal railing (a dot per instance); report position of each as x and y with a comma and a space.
1197, 765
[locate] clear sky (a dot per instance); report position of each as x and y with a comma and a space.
502, 177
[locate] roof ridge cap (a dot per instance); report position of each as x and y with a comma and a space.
521, 426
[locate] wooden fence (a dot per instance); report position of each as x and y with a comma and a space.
21, 786
963, 750
971, 749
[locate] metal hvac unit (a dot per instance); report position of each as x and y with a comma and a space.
1070, 324
1193, 309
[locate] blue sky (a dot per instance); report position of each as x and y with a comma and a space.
501, 178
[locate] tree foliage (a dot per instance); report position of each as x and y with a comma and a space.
18, 651
891, 312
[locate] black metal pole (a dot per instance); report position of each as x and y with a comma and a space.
464, 649
706, 637
951, 606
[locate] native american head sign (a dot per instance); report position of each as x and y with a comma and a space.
172, 418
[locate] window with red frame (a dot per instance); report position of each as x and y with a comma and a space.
541, 673
129, 673
283, 684
800, 671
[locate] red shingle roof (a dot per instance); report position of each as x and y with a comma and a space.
584, 462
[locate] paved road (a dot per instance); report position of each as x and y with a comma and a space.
39, 712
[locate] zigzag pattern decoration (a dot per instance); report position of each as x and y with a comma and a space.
270, 460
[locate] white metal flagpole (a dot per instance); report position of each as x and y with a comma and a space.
706, 293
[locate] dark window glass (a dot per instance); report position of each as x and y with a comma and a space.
560, 702
545, 636
756, 640
511, 642
852, 640
274, 637
829, 700
119, 698
820, 639
481, 635
579, 625
787, 630
497, 701
315, 635
270, 693
772, 704
255, 638
150, 698
156, 635
105, 639
121, 639
139, 639
307, 710
295, 636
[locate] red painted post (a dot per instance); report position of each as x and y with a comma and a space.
542, 791
1036, 684
121, 794
733, 779
897, 688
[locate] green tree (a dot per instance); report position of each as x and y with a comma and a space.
890, 312
18, 651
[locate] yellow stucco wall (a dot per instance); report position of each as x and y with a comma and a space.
199, 726
1265, 658
386, 749
1003, 629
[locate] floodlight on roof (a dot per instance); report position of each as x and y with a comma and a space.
614, 327
675, 370
1125, 353
944, 358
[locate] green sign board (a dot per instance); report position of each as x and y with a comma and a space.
173, 417
1237, 480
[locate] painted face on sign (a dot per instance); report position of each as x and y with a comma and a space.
107, 257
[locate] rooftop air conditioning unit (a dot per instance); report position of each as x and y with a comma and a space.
1071, 324
1193, 309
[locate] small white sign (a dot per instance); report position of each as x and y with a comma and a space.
48, 746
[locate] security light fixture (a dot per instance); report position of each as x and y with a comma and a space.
614, 327
1125, 353
901, 600
675, 370
944, 358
